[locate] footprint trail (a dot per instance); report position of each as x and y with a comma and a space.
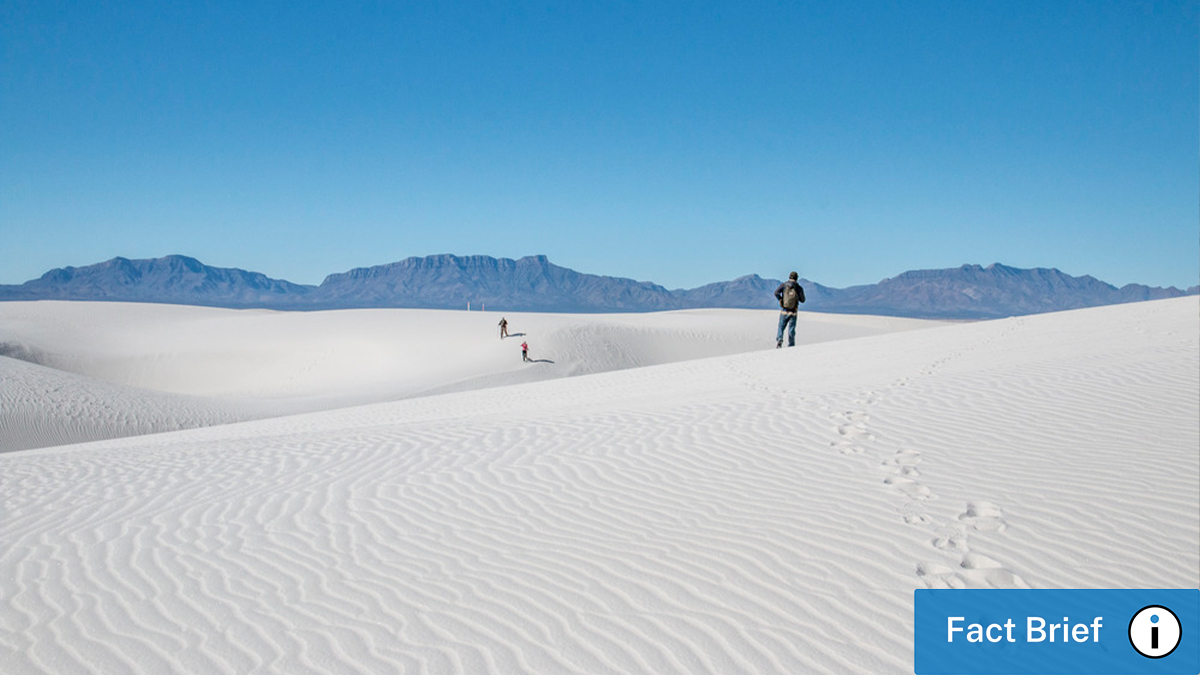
960, 566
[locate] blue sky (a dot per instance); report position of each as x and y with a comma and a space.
680, 143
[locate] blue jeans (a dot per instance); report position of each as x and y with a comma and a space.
787, 320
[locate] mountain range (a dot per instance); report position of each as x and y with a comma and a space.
533, 283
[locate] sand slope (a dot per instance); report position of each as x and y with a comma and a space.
41, 406
761, 512
107, 366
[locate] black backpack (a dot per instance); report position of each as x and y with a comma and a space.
791, 297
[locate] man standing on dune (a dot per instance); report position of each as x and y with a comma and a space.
789, 294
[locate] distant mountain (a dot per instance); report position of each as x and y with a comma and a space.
174, 279
976, 292
750, 292
534, 283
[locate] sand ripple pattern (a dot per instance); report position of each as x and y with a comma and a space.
40, 407
622, 541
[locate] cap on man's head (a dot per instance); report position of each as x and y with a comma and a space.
793, 275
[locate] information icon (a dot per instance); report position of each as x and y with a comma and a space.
1155, 631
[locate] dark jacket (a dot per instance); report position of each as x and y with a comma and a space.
779, 294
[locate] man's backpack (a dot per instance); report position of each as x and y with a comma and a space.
791, 297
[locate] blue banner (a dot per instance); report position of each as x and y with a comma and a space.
1056, 632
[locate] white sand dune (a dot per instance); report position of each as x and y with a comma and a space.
763, 512
41, 406
107, 365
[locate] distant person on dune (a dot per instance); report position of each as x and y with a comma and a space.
789, 294
524, 351
503, 328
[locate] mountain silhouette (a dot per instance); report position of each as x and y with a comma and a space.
535, 284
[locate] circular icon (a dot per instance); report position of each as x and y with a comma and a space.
1155, 631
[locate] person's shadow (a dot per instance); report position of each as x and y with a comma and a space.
514, 335
540, 361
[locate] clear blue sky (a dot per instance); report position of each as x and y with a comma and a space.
680, 143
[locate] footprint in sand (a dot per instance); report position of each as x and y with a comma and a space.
914, 515
911, 488
852, 424
852, 431
976, 571
937, 365
868, 397
983, 572
847, 447
904, 467
984, 517
951, 540
905, 463
855, 431
939, 576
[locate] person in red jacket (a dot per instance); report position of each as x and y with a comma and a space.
524, 351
